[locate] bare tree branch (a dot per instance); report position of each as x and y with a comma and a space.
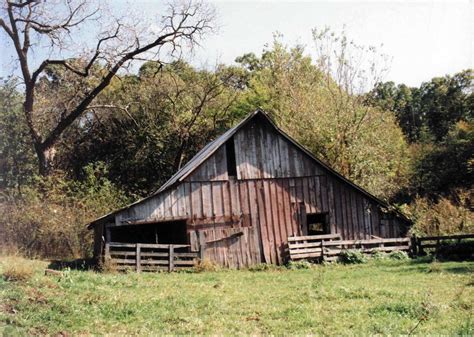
184, 24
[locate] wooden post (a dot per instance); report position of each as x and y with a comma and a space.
420, 249
202, 249
171, 259
414, 245
322, 250
107, 253
138, 258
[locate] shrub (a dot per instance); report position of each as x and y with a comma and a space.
48, 218
398, 255
18, 270
462, 251
377, 255
302, 264
353, 256
442, 217
206, 265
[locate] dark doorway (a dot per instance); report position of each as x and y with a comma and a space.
172, 232
317, 223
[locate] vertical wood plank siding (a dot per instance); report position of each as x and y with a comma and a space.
247, 219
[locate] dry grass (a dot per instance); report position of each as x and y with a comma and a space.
17, 269
206, 265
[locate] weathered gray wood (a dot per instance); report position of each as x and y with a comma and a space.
171, 258
138, 258
145, 245
314, 237
328, 247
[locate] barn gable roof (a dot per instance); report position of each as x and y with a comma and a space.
214, 145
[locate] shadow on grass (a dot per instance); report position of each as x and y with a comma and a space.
429, 264
78, 264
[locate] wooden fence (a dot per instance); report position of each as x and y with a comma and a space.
422, 245
329, 247
149, 257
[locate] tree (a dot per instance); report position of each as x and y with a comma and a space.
173, 112
17, 161
327, 114
29, 24
434, 107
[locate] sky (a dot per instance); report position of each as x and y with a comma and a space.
424, 39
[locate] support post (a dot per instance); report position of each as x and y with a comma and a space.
138, 258
414, 245
171, 259
202, 248
107, 252
322, 250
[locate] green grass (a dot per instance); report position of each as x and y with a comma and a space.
383, 297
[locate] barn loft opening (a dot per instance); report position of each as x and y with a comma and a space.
317, 223
230, 155
171, 232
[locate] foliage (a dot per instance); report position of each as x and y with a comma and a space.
369, 299
113, 43
302, 264
17, 162
442, 217
327, 117
398, 255
378, 255
449, 165
435, 106
169, 114
456, 251
48, 218
353, 256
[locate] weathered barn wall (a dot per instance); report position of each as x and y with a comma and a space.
261, 152
267, 210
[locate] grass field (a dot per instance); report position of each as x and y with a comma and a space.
380, 297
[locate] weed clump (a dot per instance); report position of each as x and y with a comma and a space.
206, 265
18, 270
353, 256
378, 256
263, 267
398, 255
302, 264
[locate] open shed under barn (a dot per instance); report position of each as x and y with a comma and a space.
241, 197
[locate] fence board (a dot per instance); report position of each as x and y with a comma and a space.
330, 246
141, 256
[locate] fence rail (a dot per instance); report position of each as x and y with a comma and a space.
420, 245
149, 257
330, 247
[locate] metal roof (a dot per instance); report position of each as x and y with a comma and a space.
213, 146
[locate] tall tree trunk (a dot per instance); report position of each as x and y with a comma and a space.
45, 158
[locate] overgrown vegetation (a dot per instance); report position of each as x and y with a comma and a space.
380, 297
48, 217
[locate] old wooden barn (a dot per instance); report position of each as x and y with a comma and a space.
243, 195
